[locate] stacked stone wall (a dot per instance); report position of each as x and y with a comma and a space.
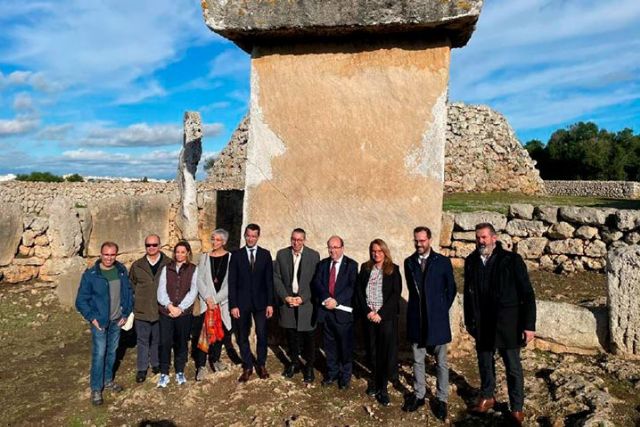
605, 189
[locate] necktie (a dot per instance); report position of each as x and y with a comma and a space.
332, 279
252, 259
423, 264
296, 265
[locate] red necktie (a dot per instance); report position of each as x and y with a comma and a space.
332, 279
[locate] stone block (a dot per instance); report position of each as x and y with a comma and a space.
596, 264
54, 267
566, 247
596, 249
586, 232
68, 281
247, 23
623, 292
521, 211
610, 236
207, 219
42, 251
463, 250
561, 230
28, 238
127, 221
632, 238
586, 215
446, 229
41, 240
33, 260
525, 228
39, 225
506, 240
64, 233
468, 220
547, 214
627, 219
465, 236
532, 247
25, 251
10, 231
19, 273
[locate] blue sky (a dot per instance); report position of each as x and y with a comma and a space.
100, 87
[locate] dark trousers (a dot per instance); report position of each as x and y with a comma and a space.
515, 380
337, 339
147, 337
381, 342
299, 341
215, 349
244, 330
174, 334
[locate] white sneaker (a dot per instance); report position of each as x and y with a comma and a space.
201, 373
180, 378
163, 381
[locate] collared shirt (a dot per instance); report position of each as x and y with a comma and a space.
296, 266
338, 264
188, 300
152, 263
253, 249
374, 289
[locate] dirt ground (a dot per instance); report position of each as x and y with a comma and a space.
45, 353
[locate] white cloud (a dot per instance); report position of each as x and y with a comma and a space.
230, 63
29, 78
55, 132
152, 90
23, 102
142, 134
18, 126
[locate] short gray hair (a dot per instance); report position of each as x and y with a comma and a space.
221, 232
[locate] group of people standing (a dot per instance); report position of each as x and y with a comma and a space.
227, 292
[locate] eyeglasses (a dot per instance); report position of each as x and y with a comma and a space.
151, 245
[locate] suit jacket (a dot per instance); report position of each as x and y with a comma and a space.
511, 307
344, 289
282, 280
430, 298
206, 289
250, 290
391, 290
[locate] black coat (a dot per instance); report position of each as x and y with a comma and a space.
438, 287
510, 305
250, 290
391, 290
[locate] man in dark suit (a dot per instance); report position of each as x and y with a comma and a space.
500, 314
292, 275
251, 295
432, 290
334, 284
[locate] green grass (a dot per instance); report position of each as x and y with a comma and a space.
499, 202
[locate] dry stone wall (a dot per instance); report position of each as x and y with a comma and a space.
606, 189
482, 154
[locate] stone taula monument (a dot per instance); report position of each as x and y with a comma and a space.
369, 79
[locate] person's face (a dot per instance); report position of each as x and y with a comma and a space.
181, 254
217, 242
421, 242
335, 249
152, 246
297, 241
376, 254
108, 256
485, 241
251, 237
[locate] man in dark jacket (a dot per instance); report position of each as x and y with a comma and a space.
292, 275
144, 281
500, 314
105, 300
251, 295
432, 290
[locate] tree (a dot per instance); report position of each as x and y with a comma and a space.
39, 177
74, 178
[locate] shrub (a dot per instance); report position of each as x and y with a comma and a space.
39, 177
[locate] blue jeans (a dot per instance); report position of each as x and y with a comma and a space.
103, 354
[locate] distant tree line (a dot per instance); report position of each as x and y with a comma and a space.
584, 152
48, 177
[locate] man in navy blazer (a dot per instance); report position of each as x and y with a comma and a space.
251, 295
432, 290
334, 284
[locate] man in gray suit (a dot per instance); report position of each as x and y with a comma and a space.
292, 276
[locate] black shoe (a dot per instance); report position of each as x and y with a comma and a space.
440, 409
343, 385
328, 381
155, 370
308, 376
412, 403
290, 371
371, 390
141, 376
96, 398
383, 399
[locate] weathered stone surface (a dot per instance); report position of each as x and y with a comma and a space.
524, 228
463, 250
572, 328
207, 219
41, 240
43, 252
468, 220
609, 236
54, 267
65, 233
567, 246
86, 223
467, 236
547, 213
594, 263
532, 247
632, 238
627, 219
546, 262
248, 23
128, 221
68, 281
10, 231
586, 215
28, 238
595, 249
446, 229
25, 251
398, 140
39, 225
521, 210
506, 240
34, 260
15, 273
228, 171
623, 291
561, 230
586, 232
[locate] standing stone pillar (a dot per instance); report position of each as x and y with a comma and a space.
187, 218
348, 114
623, 269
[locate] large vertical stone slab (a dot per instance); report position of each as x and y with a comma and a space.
10, 231
623, 269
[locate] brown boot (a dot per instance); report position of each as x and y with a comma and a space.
517, 417
246, 373
483, 405
262, 372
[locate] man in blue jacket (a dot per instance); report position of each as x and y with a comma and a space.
432, 290
105, 299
